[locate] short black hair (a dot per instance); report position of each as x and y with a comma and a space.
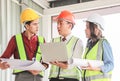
27, 22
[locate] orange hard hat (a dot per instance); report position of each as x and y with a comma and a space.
66, 15
28, 14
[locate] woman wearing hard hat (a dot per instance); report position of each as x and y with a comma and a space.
97, 48
60, 71
25, 46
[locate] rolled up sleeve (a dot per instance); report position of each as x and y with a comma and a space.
107, 58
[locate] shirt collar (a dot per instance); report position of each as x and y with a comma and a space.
34, 37
67, 37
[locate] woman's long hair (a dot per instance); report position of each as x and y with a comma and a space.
94, 37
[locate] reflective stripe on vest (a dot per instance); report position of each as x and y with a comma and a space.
66, 73
95, 54
103, 77
22, 52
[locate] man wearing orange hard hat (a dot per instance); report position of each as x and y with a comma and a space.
62, 71
25, 46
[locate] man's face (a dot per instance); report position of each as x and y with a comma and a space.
64, 28
33, 27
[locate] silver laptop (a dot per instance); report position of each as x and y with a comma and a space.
54, 52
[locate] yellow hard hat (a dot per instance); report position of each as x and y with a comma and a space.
28, 15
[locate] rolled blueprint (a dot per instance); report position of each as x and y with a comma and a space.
84, 62
23, 64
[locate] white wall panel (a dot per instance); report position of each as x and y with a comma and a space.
6, 30
10, 25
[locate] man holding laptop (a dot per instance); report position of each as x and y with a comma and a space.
61, 71
54, 51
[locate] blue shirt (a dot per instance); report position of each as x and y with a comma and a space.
107, 58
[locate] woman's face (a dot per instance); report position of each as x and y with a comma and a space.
87, 30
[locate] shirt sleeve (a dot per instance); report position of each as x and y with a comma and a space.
107, 58
10, 48
78, 51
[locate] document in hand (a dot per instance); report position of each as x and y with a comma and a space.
84, 62
54, 52
23, 64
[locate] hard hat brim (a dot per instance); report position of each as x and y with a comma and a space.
99, 26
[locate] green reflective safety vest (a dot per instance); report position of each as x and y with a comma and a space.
95, 53
22, 52
66, 73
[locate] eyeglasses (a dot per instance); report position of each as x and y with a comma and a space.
63, 21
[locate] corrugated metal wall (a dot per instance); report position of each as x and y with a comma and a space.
10, 25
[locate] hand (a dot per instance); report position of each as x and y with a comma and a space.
4, 65
34, 72
60, 64
89, 67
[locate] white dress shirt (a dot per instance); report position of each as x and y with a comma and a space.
78, 51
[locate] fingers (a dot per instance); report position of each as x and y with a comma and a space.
4, 65
86, 67
54, 62
89, 65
